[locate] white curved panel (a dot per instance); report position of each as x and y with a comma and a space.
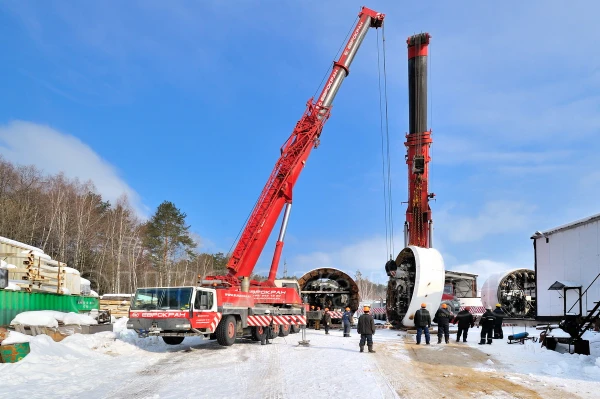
491, 290
429, 282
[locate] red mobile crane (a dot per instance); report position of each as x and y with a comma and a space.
225, 307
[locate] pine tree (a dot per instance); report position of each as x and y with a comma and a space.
168, 239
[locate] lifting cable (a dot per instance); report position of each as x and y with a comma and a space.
385, 149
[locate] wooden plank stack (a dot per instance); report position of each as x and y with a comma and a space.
35, 273
119, 307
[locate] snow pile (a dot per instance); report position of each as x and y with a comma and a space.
533, 359
40, 318
12, 287
78, 319
51, 318
4, 265
16, 338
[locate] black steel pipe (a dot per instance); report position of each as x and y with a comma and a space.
417, 82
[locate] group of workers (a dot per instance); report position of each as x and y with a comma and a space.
490, 322
365, 326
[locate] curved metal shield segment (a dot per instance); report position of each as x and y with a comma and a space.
513, 289
416, 276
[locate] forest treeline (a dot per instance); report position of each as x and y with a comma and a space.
107, 242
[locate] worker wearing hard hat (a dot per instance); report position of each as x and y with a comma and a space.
346, 316
442, 318
487, 326
500, 315
318, 319
422, 322
366, 329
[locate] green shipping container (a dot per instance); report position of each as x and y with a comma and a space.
15, 302
13, 353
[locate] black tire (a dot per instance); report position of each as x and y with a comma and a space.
254, 334
173, 340
212, 336
226, 331
259, 332
274, 331
294, 329
284, 330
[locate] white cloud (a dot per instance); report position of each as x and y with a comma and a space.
495, 217
27, 143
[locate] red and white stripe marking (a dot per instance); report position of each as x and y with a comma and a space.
476, 309
215, 322
280, 320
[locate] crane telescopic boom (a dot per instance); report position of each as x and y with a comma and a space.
277, 193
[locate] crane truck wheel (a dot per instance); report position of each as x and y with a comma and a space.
294, 329
274, 331
258, 333
284, 330
226, 331
173, 340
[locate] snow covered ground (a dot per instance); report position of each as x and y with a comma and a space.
121, 365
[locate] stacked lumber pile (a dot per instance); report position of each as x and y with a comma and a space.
37, 272
117, 305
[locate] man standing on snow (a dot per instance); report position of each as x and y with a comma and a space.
366, 329
500, 315
487, 326
422, 322
326, 320
346, 321
464, 318
443, 317
318, 319
264, 339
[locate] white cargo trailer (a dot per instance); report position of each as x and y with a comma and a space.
567, 258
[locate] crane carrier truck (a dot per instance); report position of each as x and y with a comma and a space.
232, 305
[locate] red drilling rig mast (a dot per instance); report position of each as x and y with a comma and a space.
418, 227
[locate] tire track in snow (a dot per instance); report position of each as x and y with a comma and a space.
153, 377
270, 381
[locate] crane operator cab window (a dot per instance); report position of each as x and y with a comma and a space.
204, 300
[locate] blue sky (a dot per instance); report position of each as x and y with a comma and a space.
190, 102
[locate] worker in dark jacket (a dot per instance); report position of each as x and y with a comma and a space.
500, 315
422, 323
268, 330
366, 329
464, 318
442, 318
326, 320
346, 316
487, 325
